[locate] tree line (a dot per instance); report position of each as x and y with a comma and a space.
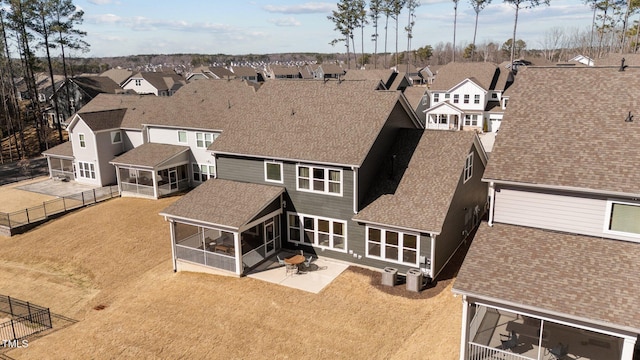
27, 27
611, 31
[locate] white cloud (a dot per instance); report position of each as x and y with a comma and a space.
288, 21
307, 8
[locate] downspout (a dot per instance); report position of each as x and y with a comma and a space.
492, 195
355, 189
433, 255
118, 180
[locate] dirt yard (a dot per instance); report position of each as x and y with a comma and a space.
108, 266
14, 199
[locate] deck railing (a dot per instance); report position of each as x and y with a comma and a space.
481, 352
207, 258
57, 206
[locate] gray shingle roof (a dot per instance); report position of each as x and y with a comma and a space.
581, 277
565, 127
414, 95
484, 74
224, 202
309, 120
149, 155
94, 85
117, 75
103, 120
63, 150
431, 177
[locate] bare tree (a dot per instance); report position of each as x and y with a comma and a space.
396, 9
522, 4
553, 41
375, 9
477, 5
455, 19
411, 7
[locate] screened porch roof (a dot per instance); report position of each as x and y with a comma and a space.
225, 203
64, 150
583, 278
152, 156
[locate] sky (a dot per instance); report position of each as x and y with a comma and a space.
239, 27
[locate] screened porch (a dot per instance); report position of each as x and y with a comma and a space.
227, 250
500, 334
154, 184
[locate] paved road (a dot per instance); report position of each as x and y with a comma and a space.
11, 172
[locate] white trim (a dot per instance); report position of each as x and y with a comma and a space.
82, 140
209, 174
562, 188
326, 179
355, 189
113, 133
266, 177
91, 170
400, 246
204, 139
186, 139
607, 218
555, 320
315, 242
468, 168
306, 161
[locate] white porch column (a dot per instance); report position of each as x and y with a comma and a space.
627, 349
492, 195
172, 231
118, 179
238, 254
154, 180
464, 335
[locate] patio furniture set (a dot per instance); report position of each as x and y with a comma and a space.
296, 263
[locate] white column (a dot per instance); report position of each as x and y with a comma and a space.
173, 244
627, 349
464, 335
238, 254
492, 201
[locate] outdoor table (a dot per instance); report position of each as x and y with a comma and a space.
295, 261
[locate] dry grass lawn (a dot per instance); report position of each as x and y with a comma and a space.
14, 199
109, 267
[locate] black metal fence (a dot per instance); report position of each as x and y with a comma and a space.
57, 206
25, 319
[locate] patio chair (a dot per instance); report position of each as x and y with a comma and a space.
559, 351
509, 341
280, 261
307, 262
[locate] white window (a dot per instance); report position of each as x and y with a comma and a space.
394, 246
471, 120
436, 97
317, 231
138, 82
466, 98
203, 172
83, 143
476, 99
319, 179
446, 96
116, 137
203, 140
441, 119
273, 171
623, 218
182, 136
468, 167
494, 95
86, 170
425, 100
504, 103
456, 98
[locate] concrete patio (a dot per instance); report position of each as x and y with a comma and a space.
321, 273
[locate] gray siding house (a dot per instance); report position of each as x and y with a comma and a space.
554, 271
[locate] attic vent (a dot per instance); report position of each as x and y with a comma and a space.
629, 117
